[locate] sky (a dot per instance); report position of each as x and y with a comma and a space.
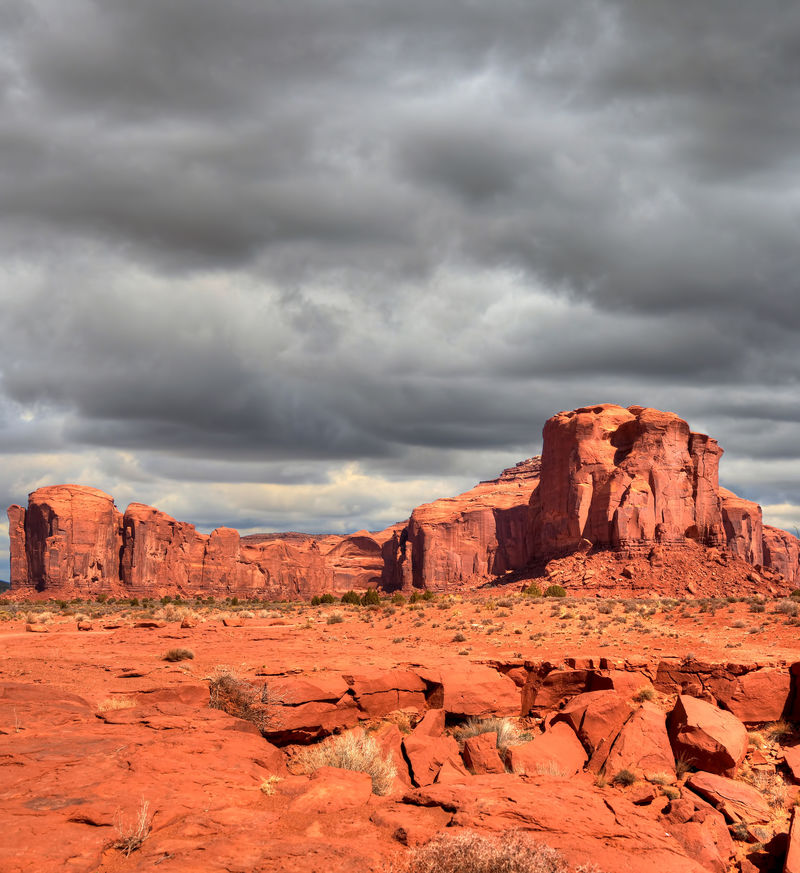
305, 265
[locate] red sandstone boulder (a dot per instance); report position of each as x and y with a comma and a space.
737, 801
625, 478
702, 831
476, 690
708, 738
757, 696
426, 755
556, 752
642, 745
380, 693
792, 863
791, 756
558, 686
596, 717
431, 724
481, 756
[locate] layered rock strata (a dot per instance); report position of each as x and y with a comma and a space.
633, 483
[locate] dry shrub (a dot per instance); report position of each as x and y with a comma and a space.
178, 655
352, 751
240, 698
172, 612
468, 852
508, 734
131, 836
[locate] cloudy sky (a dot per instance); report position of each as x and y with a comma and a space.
303, 265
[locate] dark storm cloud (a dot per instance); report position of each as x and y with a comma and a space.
251, 242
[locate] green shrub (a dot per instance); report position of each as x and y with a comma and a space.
316, 600
327, 598
427, 594
166, 599
101, 598
555, 591
371, 598
415, 597
351, 597
533, 590
398, 599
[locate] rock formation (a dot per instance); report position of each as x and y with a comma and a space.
625, 478
636, 483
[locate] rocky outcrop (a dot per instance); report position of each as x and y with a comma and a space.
70, 538
625, 478
743, 527
476, 535
782, 553
622, 500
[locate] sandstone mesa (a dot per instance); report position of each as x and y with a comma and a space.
620, 500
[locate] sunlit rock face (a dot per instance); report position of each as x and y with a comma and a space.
622, 482
625, 478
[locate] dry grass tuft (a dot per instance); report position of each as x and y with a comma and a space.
352, 751
468, 852
131, 836
508, 734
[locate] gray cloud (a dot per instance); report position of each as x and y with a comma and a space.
259, 242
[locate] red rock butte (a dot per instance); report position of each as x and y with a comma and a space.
619, 499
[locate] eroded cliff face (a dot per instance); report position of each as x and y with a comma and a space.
479, 534
625, 478
637, 482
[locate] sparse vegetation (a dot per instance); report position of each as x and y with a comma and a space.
352, 597
624, 777
352, 751
335, 618
469, 852
132, 835
508, 733
110, 704
555, 591
268, 784
533, 590
242, 699
644, 694
178, 655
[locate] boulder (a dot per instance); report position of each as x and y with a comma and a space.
702, 831
792, 862
596, 717
431, 724
757, 696
380, 693
476, 690
791, 757
481, 756
707, 737
642, 746
426, 755
557, 687
737, 801
556, 752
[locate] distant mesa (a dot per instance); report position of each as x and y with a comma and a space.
621, 500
